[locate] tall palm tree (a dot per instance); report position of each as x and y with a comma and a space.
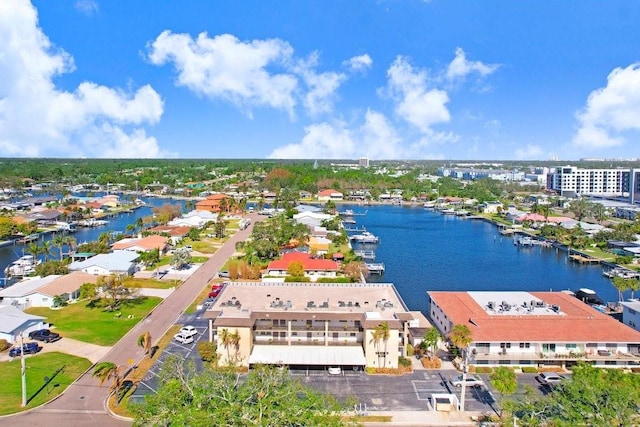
58, 241
460, 336
227, 340
140, 223
235, 343
72, 243
381, 334
46, 249
108, 371
34, 249
144, 341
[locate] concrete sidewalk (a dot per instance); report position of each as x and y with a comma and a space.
425, 418
66, 345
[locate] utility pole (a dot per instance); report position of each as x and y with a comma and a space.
464, 379
24, 371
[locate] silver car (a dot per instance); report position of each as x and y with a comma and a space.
471, 381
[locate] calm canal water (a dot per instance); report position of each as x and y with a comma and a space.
116, 223
426, 251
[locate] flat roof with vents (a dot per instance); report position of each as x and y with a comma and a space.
514, 303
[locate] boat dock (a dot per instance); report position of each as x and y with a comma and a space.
365, 254
375, 268
583, 259
355, 229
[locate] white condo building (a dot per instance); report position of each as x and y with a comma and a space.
571, 180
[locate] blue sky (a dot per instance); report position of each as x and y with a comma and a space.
438, 79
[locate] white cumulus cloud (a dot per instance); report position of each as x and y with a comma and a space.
321, 86
358, 63
243, 73
611, 110
460, 67
39, 119
88, 7
417, 103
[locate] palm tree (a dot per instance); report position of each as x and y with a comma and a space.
59, 241
46, 249
144, 341
140, 223
108, 371
381, 334
72, 243
460, 336
130, 229
34, 249
229, 340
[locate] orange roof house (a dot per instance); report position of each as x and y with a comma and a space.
144, 244
313, 267
214, 203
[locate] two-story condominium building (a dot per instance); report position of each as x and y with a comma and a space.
312, 326
535, 328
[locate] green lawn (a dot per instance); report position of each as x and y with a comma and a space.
132, 282
94, 325
38, 367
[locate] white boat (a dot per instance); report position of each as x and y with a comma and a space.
364, 237
23, 266
69, 227
375, 268
92, 222
448, 211
139, 202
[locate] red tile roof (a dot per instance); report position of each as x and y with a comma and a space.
580, 322
309, 264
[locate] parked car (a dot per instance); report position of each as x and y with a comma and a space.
550, 378
27, 348
188, 331
334, 370
471, 381
224, 273
44, 335
183, 339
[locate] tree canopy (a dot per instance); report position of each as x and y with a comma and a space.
266, 396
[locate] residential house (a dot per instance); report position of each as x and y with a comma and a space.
312, 219
214, 203
194, 219
491, 207
329, 194
314, 268
142, 244
176, 233
543, 329
41, 291
120, 262
312, 325
14, 322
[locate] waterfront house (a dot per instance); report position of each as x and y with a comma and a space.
41, 291
312, 219
543, 329
175, 233
194, 219
319, 245
311, 326
214, 203
143, 244
491, 207
14, 322
329, 194
120, 262
314, 268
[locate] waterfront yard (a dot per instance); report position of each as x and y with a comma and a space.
135, 282
95, 325
39, 367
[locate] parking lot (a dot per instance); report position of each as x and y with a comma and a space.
409, 392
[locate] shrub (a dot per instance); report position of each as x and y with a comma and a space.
333, 280
296, 279
529, 370
4, 344
427, 363
403, 361
207, 351
410, 351
483, 370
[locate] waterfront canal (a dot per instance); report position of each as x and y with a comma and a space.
117, 223
425, 251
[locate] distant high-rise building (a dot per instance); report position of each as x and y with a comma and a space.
363, 162
568, 180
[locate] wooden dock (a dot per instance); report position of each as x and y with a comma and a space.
584, 259
364, 254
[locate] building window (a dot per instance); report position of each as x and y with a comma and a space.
632, 323
572, 346
505, 345
548, 348
525, 345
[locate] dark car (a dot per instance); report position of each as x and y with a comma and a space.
27, 348
44, 335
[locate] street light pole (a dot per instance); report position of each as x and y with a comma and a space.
464, 379
24, 371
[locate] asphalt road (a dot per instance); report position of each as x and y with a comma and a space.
84, 402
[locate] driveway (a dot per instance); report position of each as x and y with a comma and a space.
92, 352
